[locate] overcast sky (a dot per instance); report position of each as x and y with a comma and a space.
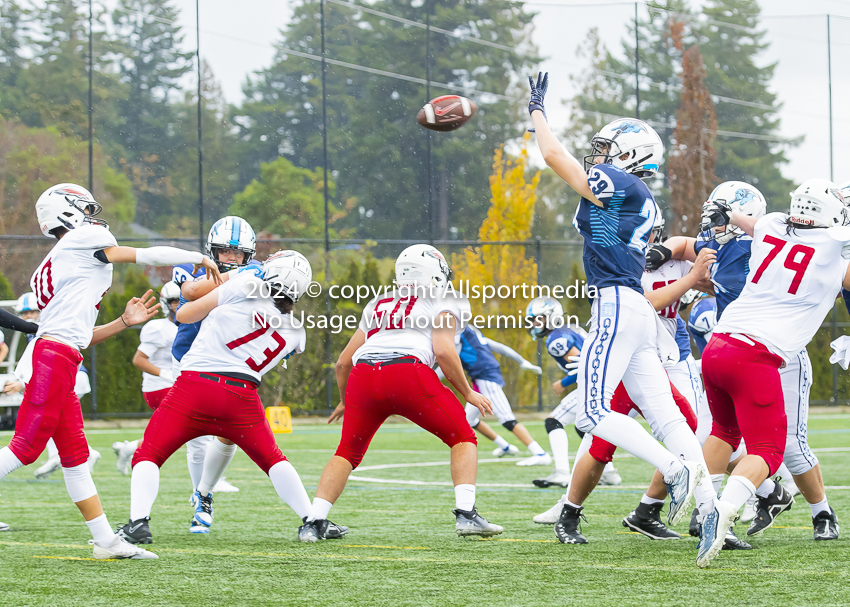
238, 42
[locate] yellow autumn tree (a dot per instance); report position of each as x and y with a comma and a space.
510, 218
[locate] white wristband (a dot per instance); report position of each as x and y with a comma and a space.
167, 256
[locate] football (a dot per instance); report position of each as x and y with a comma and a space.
446, 113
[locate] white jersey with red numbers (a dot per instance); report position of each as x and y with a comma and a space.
246, 333
397, 324
667, 274
792, 284
156, 337
70, 283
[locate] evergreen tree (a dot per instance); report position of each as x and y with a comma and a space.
13, 21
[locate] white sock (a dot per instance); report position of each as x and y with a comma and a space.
716, 481
784, 472
766, 488
52, 449
217, 459
560, 443
8, 461
501, 442
650, 500
289, 487
583, 447
536, 449
320, 509
627, 434
196, 450
569, 503
144, 487
465, 497
738, 490
683, 442
821, 506
101, 531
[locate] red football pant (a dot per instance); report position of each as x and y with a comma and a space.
603, 451
411, 390
198, 407
50, 408
744, 394
154, 399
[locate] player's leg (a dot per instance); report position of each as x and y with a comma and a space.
196, 450
563, 415
503, 447
52, 464
124, 450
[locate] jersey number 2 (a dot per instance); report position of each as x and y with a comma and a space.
797, 260
648, 210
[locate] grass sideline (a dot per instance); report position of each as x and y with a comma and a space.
402, 549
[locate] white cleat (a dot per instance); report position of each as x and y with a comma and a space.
4, 527
550, 517
94, 455
222, 486
750, 510
713, 531
125, 451
556, 479
536, 460
509, 450
49, 467
610, 476
121, 549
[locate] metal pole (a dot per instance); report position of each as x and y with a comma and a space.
328, 361
637, 66
93, 374
539, 342
200, 132
834, 319
427, 99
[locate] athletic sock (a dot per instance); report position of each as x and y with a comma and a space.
465, 497
572, 505
560, 444
583, 447
681, 440
821, 506
627, 434
649, 501
8, 461
289, 487
535, 448
766, 488
738, 490
101, 531
320, 509
196, 450
501, 442
716, 481
784, 472
218, 458
144, 487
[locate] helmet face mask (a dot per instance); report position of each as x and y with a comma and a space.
546, 313
67, 206
234, 234
741, 197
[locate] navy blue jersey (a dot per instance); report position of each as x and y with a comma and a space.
729, 273
702, 320
683, 340
845, 294
477, 359
558, 343
615, 235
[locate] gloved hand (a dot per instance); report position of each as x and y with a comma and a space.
538, 92
657, 255
715, 215
529, 367
572, 365
166, 374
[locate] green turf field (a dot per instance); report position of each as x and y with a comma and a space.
402, 549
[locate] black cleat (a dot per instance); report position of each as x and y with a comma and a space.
768, 508
136, 532
469, 522
826, 525
733, 543
693, 528
320, 529
646, 519
568, 527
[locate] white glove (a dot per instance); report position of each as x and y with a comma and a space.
572, 365
842, 352
166, 374
529, 367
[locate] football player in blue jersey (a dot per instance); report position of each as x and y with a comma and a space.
614, 217
701, 321
231, 243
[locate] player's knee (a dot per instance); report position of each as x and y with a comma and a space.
552, 424
473, 415
510, 425
674, 425
25, 451
352, 458
79, 482
579, 432
602, 451
799, 463
272, 460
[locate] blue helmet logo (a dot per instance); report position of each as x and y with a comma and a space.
629, 127
743, 196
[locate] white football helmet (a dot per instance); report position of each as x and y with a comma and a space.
168, 293
422, 266
288, 273
658, 226
818, 203
548, 307
231, 232
68, 206
628, 137
741, 197
26, 303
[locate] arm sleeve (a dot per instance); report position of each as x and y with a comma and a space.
10, 321
503, 350
569, 380
167, 256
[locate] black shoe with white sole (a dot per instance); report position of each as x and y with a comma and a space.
568, 527
826, 525
469, 522
733, 543
136, 532
693, 528
768, 508
646, 519
320, 529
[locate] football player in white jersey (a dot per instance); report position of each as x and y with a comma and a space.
799, 263
248, 329
69, 285
386, 369
153, 358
